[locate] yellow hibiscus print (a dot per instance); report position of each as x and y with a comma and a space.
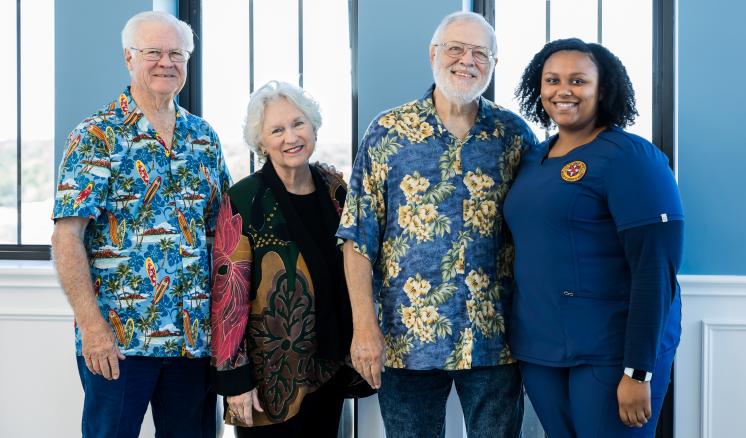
421, 318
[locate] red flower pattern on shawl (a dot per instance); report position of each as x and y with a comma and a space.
230, 288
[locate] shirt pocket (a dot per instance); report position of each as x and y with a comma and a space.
594, 325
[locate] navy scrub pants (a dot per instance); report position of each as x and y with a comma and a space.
581, 401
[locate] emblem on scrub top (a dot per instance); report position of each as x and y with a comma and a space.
573, 171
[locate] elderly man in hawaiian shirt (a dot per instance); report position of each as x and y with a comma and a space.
424, 230
139, 188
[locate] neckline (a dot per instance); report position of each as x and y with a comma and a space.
306, 196
553, 139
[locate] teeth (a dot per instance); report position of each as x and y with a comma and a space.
565, 105
294, 149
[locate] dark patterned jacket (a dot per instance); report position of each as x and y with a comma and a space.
281, 318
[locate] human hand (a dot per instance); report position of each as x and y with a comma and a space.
329, 168
367, 352
100, 351
634, 401
239, 407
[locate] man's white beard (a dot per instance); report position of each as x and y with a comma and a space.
444, 83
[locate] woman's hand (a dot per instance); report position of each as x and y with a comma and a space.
634, 401
239, 407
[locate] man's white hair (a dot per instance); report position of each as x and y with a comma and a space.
464, 16
129, 32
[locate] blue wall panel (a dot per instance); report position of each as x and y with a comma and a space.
89, 60
711, 140
393, 40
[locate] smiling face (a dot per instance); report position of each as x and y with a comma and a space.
461, 80
569, 90
287, 135
163, 78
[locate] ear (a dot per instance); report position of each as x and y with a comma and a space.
432, 54
128, 59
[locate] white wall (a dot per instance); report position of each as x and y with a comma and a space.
40, 391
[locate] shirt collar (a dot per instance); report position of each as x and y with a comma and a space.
483, 113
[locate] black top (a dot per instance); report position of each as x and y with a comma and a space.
308, 207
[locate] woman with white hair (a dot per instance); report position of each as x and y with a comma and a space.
281, 320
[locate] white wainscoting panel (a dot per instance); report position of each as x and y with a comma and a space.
710, 383
723, 377
40, 392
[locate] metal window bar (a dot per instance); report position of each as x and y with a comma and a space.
18, 123
353, 30
600, 22
252, 155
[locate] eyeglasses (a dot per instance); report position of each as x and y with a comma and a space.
175, 55
457, 49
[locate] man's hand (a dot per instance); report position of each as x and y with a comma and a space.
100, 351
368, 347
239, 407
367, 353
634, 402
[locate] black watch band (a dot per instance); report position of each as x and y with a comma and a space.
641, 376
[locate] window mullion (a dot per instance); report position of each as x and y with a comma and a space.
18, 123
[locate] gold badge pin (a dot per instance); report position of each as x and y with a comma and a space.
573, 171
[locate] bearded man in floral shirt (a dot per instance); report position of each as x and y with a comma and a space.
138, 195
424, 242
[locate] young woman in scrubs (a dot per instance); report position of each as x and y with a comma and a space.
597, 221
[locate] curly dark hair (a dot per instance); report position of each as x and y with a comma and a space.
615, 108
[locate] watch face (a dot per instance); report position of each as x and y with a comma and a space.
639, 375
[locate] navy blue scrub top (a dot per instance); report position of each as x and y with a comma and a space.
573, 278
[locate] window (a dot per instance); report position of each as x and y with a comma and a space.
606, 22
245, 44
26, 128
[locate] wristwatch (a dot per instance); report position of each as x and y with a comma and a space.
641, 376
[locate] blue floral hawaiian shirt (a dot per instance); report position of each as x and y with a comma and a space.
426, 209
151, 209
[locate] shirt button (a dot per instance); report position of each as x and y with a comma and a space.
567, 293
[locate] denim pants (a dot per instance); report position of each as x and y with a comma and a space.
413, 403
177, 388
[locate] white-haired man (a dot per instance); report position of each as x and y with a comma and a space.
139, 187
424, 234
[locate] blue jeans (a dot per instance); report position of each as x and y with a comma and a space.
413, 403
177, 388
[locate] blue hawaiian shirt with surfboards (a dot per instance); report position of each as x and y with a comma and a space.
152, 208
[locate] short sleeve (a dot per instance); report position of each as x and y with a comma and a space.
84, 174
363, 216
641, 189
